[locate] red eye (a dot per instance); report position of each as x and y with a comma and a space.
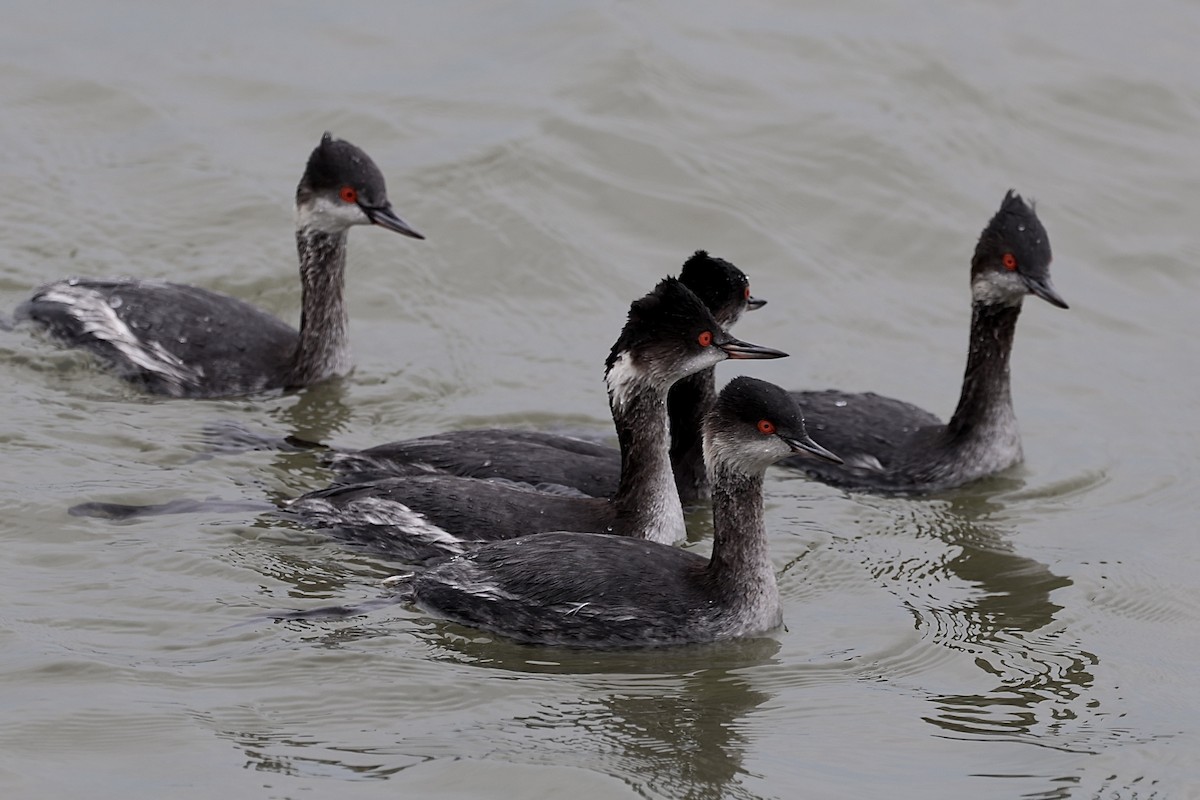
1010, 261
348, 194
766, 427
705, 339
747, 294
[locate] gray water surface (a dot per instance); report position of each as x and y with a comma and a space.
1036, 635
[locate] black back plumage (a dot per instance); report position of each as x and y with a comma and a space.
207, 342
423, 516
649, 594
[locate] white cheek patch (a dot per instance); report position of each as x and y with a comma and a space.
624, 379
662, 372
708, 357
329, 216
99, 320
999, 289
747, 457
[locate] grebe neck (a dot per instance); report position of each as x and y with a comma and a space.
323, 349
687, 403
986, 398
646, 497
740, 567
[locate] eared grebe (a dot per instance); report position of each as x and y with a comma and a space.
669, 334
183, 341
544, 458
595, 590
892, 446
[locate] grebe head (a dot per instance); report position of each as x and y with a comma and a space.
669, 335
341, 187
1013, 257
721, 286
754, 424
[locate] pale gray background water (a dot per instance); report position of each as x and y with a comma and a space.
1034, 636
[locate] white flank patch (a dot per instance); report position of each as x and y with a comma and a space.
99, 320
357, 462
466, 576
864, 461
380, 512
486, 591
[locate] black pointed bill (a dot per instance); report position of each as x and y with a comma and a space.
804, 445
755, 303
385, 217
736, 348
1044, 289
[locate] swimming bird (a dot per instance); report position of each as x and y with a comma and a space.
183, 341
600, 591
893, 446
